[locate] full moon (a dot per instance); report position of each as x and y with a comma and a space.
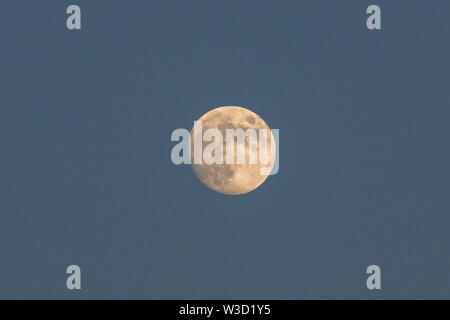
235, 178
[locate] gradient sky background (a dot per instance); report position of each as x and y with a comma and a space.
86, 175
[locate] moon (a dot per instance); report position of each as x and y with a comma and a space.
232, 179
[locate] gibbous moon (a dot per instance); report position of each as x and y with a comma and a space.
235, 178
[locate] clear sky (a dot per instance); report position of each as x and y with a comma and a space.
86, 175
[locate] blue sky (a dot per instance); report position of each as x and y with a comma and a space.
86, 118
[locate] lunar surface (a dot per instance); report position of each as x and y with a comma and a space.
233, 179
